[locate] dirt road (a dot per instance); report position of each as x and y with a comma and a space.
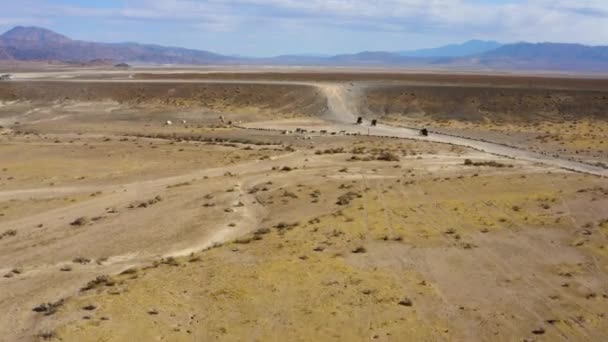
343, 111
343, 102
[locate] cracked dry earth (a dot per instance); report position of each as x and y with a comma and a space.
115, 228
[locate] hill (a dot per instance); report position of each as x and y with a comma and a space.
548, 56
472, 47
39, 44
35, 44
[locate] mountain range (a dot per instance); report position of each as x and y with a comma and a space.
472, 47
39, 44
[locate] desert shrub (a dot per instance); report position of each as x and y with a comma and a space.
81, 221
46, 335
171, 261
285, 226
48, 308
8, 233
262, 231
81, 260
387, 156
491, 163
406, 302
178, 185
358, 150
336, 150
289, 194
102, 280
346, 198
359, 249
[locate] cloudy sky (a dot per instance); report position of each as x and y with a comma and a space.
273, 27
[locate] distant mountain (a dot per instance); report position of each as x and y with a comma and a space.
34, 43
472, 47
547, 56
34, 36
370, 57
38, 44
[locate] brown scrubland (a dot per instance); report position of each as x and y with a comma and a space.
246, 206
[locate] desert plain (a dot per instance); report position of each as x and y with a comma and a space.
161, 204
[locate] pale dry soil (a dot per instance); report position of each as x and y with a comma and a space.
126, 229
424, 249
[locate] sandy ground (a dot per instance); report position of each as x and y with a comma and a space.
130, 229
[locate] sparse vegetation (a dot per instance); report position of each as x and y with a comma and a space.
81, 260
145, 204
49, 308
346, 198
387, 156
100, 281
356, 236
179, 185
8, 233
406, 302
359, 250
336, 150
285, 226
81, 221
47, 335
491, 163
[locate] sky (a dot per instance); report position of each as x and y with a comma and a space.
276, 27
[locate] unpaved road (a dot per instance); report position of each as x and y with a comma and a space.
343, 111
343, 103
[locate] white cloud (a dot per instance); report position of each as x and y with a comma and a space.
532, 20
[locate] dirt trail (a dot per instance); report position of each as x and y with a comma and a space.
343, 110
134, 246
342, 106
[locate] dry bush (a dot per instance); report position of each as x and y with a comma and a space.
262, 231
336, 150
8, 233
289, 194
171, 261
406, 302
48, 308
387, 156
145, 204
178, 185
46, 335
346, 198
285, 226
491, 163
359, 249
81, 260
102, 280
81, 221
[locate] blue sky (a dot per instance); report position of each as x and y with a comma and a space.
273, 27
